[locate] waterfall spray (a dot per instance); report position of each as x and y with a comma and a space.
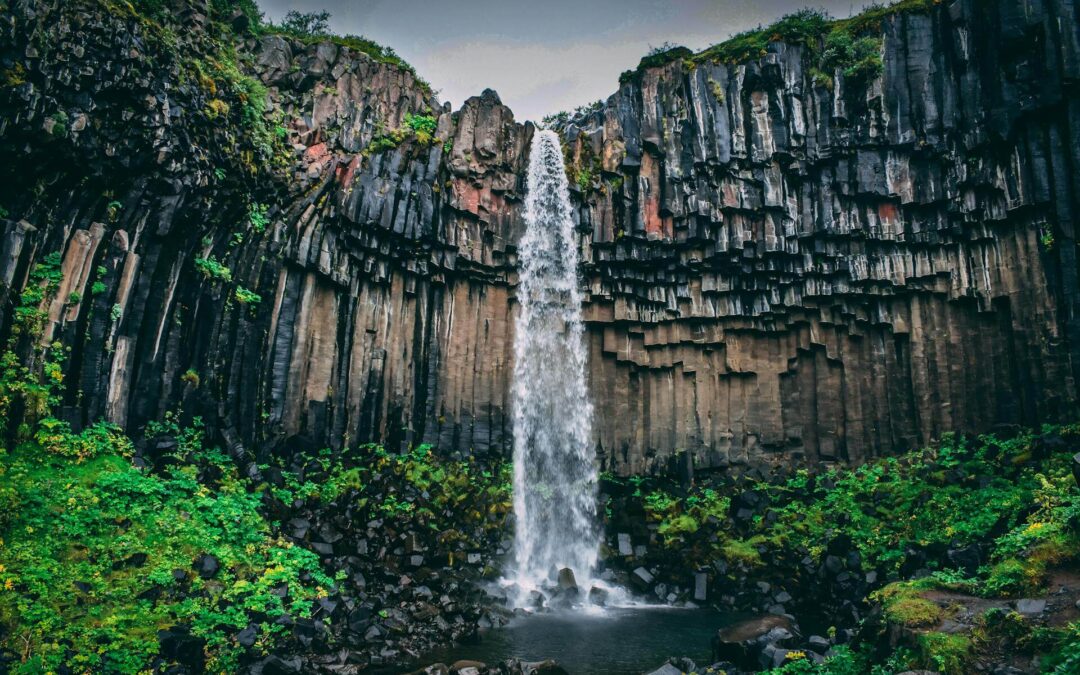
555, 481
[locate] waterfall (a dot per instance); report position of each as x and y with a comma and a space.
555, 480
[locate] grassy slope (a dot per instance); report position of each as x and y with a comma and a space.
1017, 496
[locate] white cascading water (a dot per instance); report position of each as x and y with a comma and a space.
555, 478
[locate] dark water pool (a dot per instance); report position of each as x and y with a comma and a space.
619, 642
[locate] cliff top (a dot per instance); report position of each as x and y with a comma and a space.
240, 18
852, 44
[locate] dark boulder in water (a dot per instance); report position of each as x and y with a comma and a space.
567, 582
743, 643
598, 596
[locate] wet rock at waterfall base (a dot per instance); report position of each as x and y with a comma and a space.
642, 579
744, 643
536, 600
598, 596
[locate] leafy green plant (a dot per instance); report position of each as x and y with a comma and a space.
422, 126
212, 269
35, 383
257, 217
305, 24
246, 297
191, 377
857, 57
946, 653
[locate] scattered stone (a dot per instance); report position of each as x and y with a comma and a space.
625, 547
466, 667
701, 581
818, 644
206, 566
1031, 606
641, 578
247, 637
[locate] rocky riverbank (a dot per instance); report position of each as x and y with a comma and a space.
961, 557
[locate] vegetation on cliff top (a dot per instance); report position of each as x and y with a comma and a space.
851, 45
306, 27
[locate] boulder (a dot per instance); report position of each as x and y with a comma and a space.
818, 644
547, 667
701, 586
743, 643
207, 566
1031, 606
567, 582
598, 596
641, 579
179, 645
967, 558
467, 667
276, 665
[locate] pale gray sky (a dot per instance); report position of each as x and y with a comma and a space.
541, 57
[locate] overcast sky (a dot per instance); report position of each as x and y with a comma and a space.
541, 57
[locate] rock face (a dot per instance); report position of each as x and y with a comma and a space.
776, 271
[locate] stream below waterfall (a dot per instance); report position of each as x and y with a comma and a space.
628, 641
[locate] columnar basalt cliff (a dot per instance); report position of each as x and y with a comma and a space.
779, 267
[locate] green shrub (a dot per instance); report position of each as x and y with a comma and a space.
191, 377
212, 269
945, 653
257, 217
903, 604
743, 551
657, 56
306, 24
246, 297
422, 126
858, 58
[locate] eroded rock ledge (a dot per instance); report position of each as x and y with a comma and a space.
777, 271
